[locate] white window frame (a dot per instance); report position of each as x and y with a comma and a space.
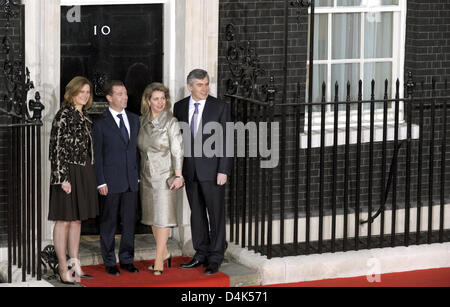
397, 60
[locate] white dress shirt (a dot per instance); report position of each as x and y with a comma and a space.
117, 119
201, 107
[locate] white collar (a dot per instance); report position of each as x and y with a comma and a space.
192, 101
115, 113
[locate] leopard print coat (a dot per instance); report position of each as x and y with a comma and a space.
70, 143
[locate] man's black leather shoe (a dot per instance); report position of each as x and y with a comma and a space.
212, 268
113, 270
129, 267
193, 264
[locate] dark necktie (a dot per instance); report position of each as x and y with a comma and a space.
123, 129
194, 120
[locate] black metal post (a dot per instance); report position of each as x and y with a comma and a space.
322, 167
297, 169
410, 92
33, 199
358, 165
244, 181
395, 175
419, 168
335, 168
269, 183
384, 190
443, 167
234, 183
347, 166
431, 164
10, 207
39, 201
371, 162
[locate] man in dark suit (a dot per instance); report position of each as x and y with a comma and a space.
205, 177
116, 166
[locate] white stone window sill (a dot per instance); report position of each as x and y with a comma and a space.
365, 136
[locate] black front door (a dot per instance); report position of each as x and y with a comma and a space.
112, 42
120, 42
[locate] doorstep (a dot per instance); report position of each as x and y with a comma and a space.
145, 249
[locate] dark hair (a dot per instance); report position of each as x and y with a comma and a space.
197, 74
110, 85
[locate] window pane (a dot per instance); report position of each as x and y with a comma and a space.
320, 76
342, 74
378, 35
321, 37
389, 2
378, 72
346, 36
322, 3
349, 2
374, 3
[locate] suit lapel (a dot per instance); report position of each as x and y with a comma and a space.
185, 111
132, 125
206, 112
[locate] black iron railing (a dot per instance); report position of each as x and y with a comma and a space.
23, 124
359, 191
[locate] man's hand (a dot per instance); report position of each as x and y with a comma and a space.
103, 190
177, 184
221, 179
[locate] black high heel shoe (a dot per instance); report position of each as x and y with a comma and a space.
169, 260
72, 283
84, 276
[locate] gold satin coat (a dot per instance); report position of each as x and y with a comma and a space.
160, 144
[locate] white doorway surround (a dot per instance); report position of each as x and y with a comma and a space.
191, 31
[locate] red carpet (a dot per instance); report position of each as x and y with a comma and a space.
426, 278
173, 277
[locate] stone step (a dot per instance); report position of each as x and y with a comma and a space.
145, 249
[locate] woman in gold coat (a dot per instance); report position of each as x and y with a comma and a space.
161, 147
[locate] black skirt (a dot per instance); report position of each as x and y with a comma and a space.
82, 203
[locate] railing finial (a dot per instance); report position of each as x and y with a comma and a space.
410, 84
271, 91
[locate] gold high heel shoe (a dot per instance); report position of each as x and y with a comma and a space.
169, 265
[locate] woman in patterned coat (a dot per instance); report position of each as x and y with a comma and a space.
73, 194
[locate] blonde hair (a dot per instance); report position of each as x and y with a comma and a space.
148, 92
73, 88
